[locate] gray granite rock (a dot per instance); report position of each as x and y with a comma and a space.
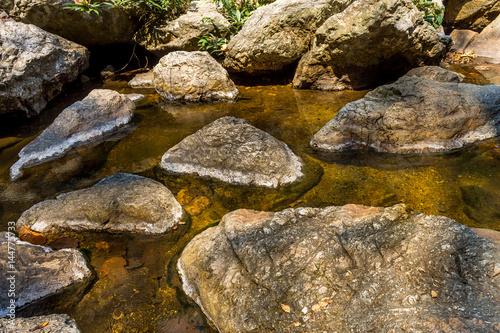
56, 323
343, 269
232, 150
35, 271
98, 115
119, 203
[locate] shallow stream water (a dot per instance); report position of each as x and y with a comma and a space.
137, 288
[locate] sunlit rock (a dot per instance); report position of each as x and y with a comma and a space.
487, 43
232, 150
53, 323
37, 271
120, 203
98, 115
473, 15
193, 77
34, 66
415, 115
343, 269
142, 80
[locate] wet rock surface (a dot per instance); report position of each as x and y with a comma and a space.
232, 150
34, 66
98, 115
193, 77
277, 35
369, 39
55, 323
470, 14
414, 115
111, 26
119, 203
143, 80
39, 271
343, 269
183, 33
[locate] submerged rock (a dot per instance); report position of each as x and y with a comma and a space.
343, 269
39, 271
414, 115
487, 43
371, 38
182, 34
34, 66
277, 35
119, 203
56, 323
193, 77
466, 14
99, 114
232, 150
112, 25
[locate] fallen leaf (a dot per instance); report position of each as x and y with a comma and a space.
434, 294
285, 308
316, 307
42, 326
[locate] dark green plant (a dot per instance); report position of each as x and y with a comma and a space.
433, 13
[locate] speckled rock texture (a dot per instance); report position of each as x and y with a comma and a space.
193, 77
111, 26
487, 43
232, 150
183, 33
277, 35
343, 269
470, 14
39, 271
98, 115
415, 115
56, 323
34, 66
119, 203
369, 40
143, 80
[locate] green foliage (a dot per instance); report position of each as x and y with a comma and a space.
236, 12
433, 13
147, 10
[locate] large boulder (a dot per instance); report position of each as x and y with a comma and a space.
34, 66
99, 114
369, 40
111, 26
232, 150
192, 77
415, 115
56, 323
182, 34
277, 35
470, 14
487, 43
343, 269
120, 203
35, 272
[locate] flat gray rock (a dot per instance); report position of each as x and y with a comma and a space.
343, 269
415, 115
232, 150
56, 323
39, 271
34, 66
119, 203
193, 77
98, 115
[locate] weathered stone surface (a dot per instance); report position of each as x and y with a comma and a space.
487, 43
232, 150
435, 73
56, 323
111, 26
183, 33
462, 38
34, 66
39, 271
99, 114
192, 77
470, 14
369, 39
343, 269
277, 35
414, 115
143, 80
119, 203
